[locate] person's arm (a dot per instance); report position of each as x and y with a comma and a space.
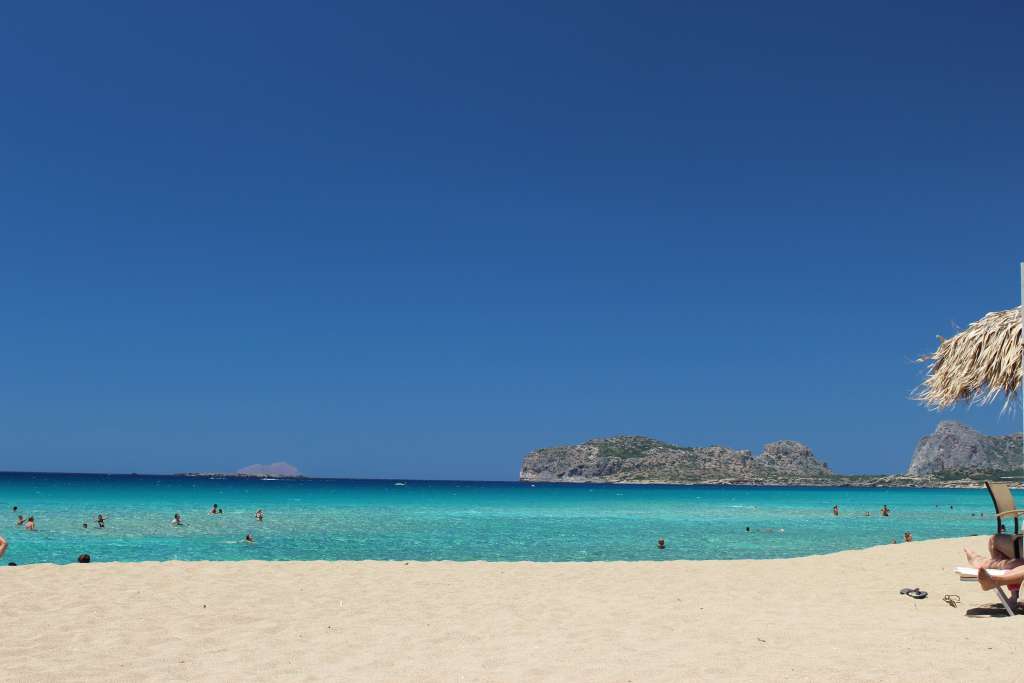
3, 546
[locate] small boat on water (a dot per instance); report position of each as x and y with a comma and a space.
399, 483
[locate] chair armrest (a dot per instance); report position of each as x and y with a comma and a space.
1008, 513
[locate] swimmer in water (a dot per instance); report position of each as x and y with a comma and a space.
661, 544
177, 520
907, 538
248, 538
885, 510
213, 510
21, 520
30, 524
259, 515
835, 510
100, 521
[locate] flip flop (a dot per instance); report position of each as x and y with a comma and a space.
904, 591
918, 594
952, 599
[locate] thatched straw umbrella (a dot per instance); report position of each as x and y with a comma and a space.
980, 363
976, 365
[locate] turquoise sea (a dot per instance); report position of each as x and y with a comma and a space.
323, 519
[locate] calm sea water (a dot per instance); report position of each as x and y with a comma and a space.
356, 520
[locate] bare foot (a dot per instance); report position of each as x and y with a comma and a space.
974, 559
985, 580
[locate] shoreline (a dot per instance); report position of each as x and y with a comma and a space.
807, 618
963, 539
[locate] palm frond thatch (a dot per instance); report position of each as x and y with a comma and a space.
976, 365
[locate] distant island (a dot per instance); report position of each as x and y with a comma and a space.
276, 470
953, 456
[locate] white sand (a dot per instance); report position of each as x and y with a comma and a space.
818, 618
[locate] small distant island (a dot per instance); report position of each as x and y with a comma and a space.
276, 470
954, 456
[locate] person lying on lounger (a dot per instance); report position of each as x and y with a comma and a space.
1014, 575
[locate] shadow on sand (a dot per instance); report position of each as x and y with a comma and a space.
988, 611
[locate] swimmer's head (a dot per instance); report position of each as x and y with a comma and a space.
84, 558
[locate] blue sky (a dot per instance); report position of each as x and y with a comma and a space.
421, 240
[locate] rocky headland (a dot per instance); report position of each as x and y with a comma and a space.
954, 456
956, 450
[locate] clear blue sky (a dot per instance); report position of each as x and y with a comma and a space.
422, 239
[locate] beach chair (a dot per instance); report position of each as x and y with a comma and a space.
1005, 506
971, 574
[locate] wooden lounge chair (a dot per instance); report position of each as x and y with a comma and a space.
1002, 498
971, 574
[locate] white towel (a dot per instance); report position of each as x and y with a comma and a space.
968, 573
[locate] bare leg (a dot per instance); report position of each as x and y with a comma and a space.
998, 561
1001, 548
1013, 576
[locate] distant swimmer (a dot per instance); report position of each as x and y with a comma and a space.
14, 508
213, 510
748, 529
248, 538
885, 510
84, 558
835, 510
21, 520
907, 538
661, 544
177, 520
85, 525
30, 524
101, 521
259, 515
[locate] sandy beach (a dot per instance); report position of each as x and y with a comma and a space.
826, 617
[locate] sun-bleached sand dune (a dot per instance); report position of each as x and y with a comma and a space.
832, 617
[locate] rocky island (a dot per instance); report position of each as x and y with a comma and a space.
276, 470
954, 456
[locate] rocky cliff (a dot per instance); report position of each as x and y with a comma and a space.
956, 449
640, 458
